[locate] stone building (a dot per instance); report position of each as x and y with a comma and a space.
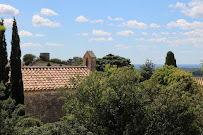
46, 56
42, 100
89, 60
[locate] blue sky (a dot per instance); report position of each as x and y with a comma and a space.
133, 29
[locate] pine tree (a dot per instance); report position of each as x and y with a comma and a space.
4, 70
170, 59
15, 62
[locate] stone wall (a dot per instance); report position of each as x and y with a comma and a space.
44, 105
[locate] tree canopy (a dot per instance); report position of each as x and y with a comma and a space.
28, 58
147, 69
170, 59
112, 60
117, 102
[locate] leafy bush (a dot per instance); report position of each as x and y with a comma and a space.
10, 114
55, 60
58, 128
112, 60
117, 102
147, 69
108, 102
28, 58
168, 75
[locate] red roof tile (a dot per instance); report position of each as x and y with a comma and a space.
49, 78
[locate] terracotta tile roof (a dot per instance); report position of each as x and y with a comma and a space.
49, 78
199, 80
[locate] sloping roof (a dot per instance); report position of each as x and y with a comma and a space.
199, 80
49, 78
91, 53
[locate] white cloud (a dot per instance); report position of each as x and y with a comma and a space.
126, 33
8, 10
101, 33
164, 33
39, 35
24, 33
48, 12
183, 24
153, 25
101, 39
121, 47
196, 41
143, 46
160, 33
54, 44
81, 19
195, 33
144, 33
83, 34
194, 8
115, 19
8, 23
153, 40
39, 21
97, 21
30, 45
179, 5
135, 24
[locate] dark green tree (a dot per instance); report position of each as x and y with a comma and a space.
28, 58
170, 59
112, 60
15, 62
4, 70
109, 102
147, 69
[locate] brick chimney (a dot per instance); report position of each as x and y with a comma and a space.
89, 60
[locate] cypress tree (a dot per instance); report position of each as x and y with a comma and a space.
170, 59
15, 62
4, 70
3, 54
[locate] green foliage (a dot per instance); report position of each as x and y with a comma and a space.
202, 65
2, 89
15, 62
108, 102
112, 60
29, 122
170, 59
173, 110
57, 128
48, 64
4, 70
168, 75
197, 73
28, 58
55, 60
58, 61
147, 69
10, 114
78, 62
117, 102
